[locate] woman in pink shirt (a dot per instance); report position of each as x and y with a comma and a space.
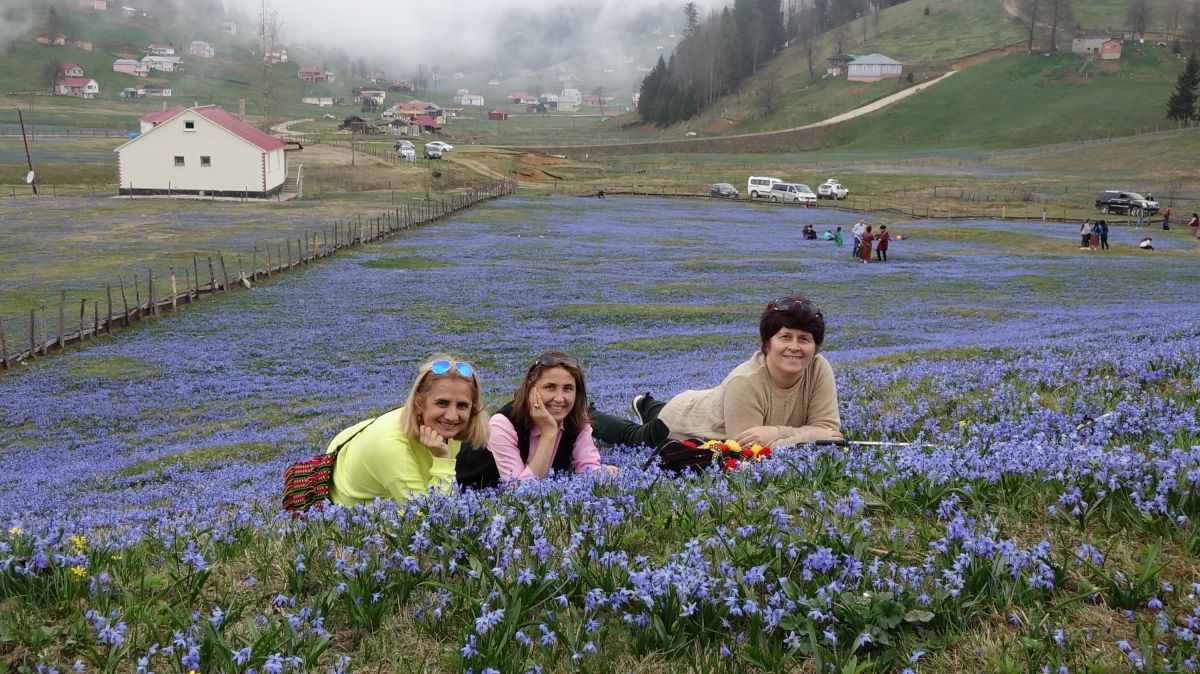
544, 427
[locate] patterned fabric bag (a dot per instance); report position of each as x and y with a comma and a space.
306, 483
697, 454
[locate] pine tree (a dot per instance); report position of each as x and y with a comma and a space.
1182, 105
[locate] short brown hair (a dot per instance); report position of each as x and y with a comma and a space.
578, 417
805, 315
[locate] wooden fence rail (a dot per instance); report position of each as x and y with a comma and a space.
222, 276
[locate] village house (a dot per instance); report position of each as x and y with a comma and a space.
94, 5
154, 92
83, 45
522, 98
52, 39
202, 49
569, 100
401, 84
377, 77
1097, 45
275, 55
318, 99
469, 99
311, 74
82, 87
202, 151
549, 101
376, 95
160, 50
70, 70
131, 67
498, 115
835, 66
229, 28
166, 64
872, 68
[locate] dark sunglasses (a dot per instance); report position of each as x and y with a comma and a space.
789, 303
550, 360
464, 370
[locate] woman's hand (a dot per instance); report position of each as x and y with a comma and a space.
609, 469
540, 416
763, 435
435, 443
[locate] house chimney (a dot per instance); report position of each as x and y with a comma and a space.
242, 108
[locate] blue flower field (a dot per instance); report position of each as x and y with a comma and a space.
1032, 508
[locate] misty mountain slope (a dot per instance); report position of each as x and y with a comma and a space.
927, 45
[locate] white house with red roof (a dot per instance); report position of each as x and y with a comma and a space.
201, 151
70, 70
83, 87
202, 49
131, 67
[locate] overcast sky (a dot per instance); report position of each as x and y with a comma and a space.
455, 33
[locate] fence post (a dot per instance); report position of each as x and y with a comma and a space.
43, 324
174, 291
95, 319
3, 347
82, 312
150, 290
267, 248
32, 340
124, 302
62, 308
224, 274
108, 321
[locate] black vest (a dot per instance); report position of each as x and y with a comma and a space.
476, 468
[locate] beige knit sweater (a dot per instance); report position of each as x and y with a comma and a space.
749, 398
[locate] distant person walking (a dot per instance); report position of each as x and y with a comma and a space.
881, 245
1146, 244
1104, 235
1094, 237
837, 237
859, 228
1194, 223
1166, 219
1141, 217
1085, 233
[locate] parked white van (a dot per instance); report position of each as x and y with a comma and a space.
760, 186
793, 193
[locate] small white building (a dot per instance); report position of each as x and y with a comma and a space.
83, 87
314, 98
469, 99
70, 70
131, 67
202, 49
202, 151
166, 64
872, 68
161, 50
229, 28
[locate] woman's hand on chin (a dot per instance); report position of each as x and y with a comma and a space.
435, 443
538, 413
762, 435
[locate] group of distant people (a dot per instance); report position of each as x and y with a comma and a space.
866, 240
442, 438
1094, 235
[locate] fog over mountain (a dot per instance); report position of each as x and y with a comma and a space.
474, 35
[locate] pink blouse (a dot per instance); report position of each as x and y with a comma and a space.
503, 446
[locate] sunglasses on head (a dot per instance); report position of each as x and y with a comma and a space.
550, 360
789, 303
464, 370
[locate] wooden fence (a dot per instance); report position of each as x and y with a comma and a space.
209, 276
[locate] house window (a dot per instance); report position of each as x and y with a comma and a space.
178, 161
189, 126
205, 161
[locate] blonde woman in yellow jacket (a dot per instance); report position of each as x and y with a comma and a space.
413, 448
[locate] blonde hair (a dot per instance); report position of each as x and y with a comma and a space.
476, 432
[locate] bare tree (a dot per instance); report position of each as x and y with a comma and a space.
1138, 16
1193, 27
808, 55
768, 91
1172, 14
50, 75
1029, 15
270, 84
839, 37
1061, 14
598, 92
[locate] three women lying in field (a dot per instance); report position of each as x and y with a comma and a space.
785, 394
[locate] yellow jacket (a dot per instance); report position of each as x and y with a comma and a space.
383, 462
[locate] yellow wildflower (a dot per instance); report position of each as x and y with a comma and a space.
79, 571
15, 531
79, 542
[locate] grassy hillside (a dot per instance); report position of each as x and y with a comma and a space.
1021, 100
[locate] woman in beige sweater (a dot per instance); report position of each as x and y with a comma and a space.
785, 394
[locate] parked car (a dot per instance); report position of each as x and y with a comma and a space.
760, 186
408, 154
792, 193
723, 190
1116, 201
328, 116
444, 147
432, 151
402, 144
832, 189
